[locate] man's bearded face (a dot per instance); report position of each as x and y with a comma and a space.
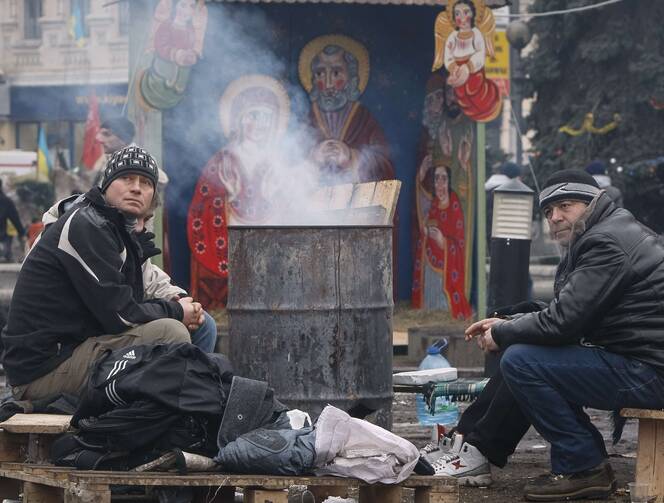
330, 78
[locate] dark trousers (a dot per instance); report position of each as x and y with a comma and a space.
553, 384
494, 423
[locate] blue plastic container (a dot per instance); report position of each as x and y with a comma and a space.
446, 412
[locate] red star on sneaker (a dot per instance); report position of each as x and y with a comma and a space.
457, 464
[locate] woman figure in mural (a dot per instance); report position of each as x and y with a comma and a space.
234, 185
464, 37
177, 43
440, 261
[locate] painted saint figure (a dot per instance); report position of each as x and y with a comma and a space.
441, 249
351, 146
177, 43
464, 37
234, 185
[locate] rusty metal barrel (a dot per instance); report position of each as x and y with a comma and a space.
310, 312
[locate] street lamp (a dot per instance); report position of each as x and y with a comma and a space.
510, 250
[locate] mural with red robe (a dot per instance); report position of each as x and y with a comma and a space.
444, 203
464, 34
235, 183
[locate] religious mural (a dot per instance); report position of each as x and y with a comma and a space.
233, 187
359, 94
444, 203
464, 34
350, 144
176, 45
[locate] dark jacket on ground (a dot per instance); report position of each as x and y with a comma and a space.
82, 279
8, 212
609, 290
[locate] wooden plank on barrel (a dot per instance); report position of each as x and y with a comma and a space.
37, 423
320, 200
363, 194
340, 196
387, 195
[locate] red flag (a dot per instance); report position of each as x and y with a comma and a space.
92, 149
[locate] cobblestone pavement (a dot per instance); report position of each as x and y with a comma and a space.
530, 459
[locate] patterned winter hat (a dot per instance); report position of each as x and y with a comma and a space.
568, 184
131, 159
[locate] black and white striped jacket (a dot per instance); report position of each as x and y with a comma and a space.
82, 279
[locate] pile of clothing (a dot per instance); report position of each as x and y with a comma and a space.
144, 401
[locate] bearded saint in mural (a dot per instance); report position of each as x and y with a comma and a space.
464, 34
443, 247
233, 187
351, 146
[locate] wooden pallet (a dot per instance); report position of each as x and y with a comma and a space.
27, 437
50, 484
650, 449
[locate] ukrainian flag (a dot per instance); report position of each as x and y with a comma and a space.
43, 157
76, 25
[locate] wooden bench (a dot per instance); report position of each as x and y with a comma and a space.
26, 438
650, 449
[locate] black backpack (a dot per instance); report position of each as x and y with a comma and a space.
126, 437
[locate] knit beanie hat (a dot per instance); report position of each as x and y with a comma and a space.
122, 127
131, 159
568, 184
510, 170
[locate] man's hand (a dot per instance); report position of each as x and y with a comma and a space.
486, 342
193, 313
333, 151
479, 327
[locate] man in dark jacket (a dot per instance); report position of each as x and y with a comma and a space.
80, 290
599, 343
8, 212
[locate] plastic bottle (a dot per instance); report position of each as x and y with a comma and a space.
446, 412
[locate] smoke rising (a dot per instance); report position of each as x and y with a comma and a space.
287, 169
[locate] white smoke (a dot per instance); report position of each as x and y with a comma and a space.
292, 182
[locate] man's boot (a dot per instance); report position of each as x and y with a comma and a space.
596, 483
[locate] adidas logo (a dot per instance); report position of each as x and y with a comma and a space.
130, 355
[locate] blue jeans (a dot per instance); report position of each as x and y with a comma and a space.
552, 384
205, 337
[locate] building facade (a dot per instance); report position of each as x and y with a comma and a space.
54, 55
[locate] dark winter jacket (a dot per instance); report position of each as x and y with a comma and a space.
609, 290
82, 279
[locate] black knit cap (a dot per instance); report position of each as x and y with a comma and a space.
572, 184
121, 127
131, 159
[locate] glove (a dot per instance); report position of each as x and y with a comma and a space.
146, 241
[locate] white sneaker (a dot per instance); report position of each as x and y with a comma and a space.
432, 452
467, 464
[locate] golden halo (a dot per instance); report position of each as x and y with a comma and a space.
316, 45
239, 85
480, 8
